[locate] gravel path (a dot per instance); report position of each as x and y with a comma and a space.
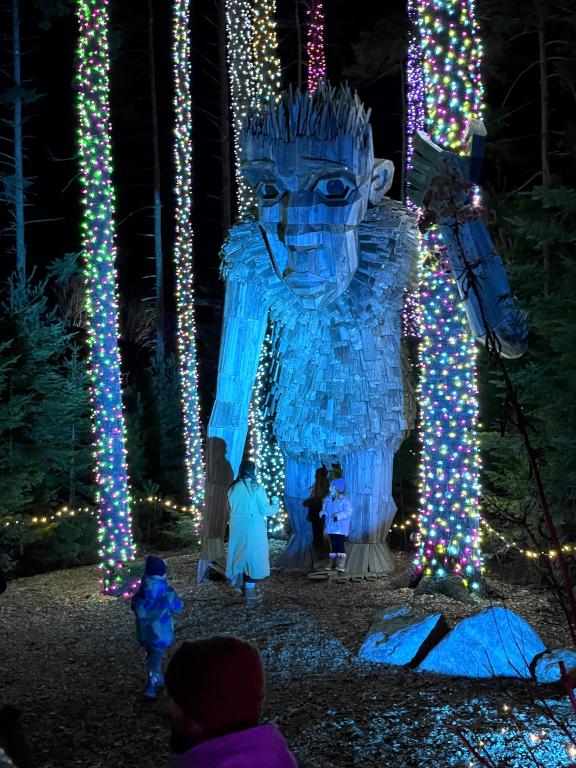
70, 662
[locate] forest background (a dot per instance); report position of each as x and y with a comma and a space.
529, 182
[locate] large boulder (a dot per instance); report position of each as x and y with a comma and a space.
494, 643
402, 637
547, 666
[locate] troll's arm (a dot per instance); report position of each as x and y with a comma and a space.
442, 183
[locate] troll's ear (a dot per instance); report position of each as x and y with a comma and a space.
382, 176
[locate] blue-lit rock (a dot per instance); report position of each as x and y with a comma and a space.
494, 643
547, 667
402, 637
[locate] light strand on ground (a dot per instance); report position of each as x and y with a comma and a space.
315, 45
184, 259
410, 524
450, 463
66, 512
99, 253
531, 554
445, 73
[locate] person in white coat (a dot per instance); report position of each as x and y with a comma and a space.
248, 556
337, 510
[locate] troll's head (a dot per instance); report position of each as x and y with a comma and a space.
311, 162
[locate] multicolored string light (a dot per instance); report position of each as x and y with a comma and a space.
315, 44
451, 60
415, 114
183, 257
99, 252
445, 92
450, 463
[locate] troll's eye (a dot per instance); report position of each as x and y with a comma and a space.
334, 188
269, 192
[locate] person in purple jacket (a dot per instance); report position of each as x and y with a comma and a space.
337, 510
217, 685
154, 604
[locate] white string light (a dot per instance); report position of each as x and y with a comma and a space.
184, 259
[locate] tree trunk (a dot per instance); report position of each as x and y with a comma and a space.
544, 135
158, 257
72, 471
225, 157
298, 44
18, 153
544, 105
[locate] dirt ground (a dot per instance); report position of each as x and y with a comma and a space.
69, 660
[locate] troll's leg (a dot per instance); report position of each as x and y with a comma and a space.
299, 477
368, 477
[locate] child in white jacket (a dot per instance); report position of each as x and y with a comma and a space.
337, 510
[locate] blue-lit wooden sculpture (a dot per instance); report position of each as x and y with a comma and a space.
329, 257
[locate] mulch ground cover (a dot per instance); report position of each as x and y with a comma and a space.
69, 660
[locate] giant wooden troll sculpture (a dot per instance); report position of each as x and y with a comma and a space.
328, 259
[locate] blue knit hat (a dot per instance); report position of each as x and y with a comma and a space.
339, 483
155, 566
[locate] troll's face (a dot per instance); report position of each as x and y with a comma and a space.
313, 191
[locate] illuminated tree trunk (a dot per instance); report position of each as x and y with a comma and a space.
183, 258
99, 251
240, 32
254, 75
315, 44
445, 93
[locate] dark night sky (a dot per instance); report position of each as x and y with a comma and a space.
48, 65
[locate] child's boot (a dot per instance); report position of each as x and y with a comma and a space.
341, 562
237, 585
251, 595
333, 562
155, 680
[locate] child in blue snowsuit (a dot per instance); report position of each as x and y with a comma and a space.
154, 605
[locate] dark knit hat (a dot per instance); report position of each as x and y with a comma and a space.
217, 682
155, 566
247, 469
339, 483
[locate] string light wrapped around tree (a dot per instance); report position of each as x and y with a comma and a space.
264, 46
315, 44
444, 93
265, 451
240, 33
254, 34
183, 258
99, 252
450, 463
